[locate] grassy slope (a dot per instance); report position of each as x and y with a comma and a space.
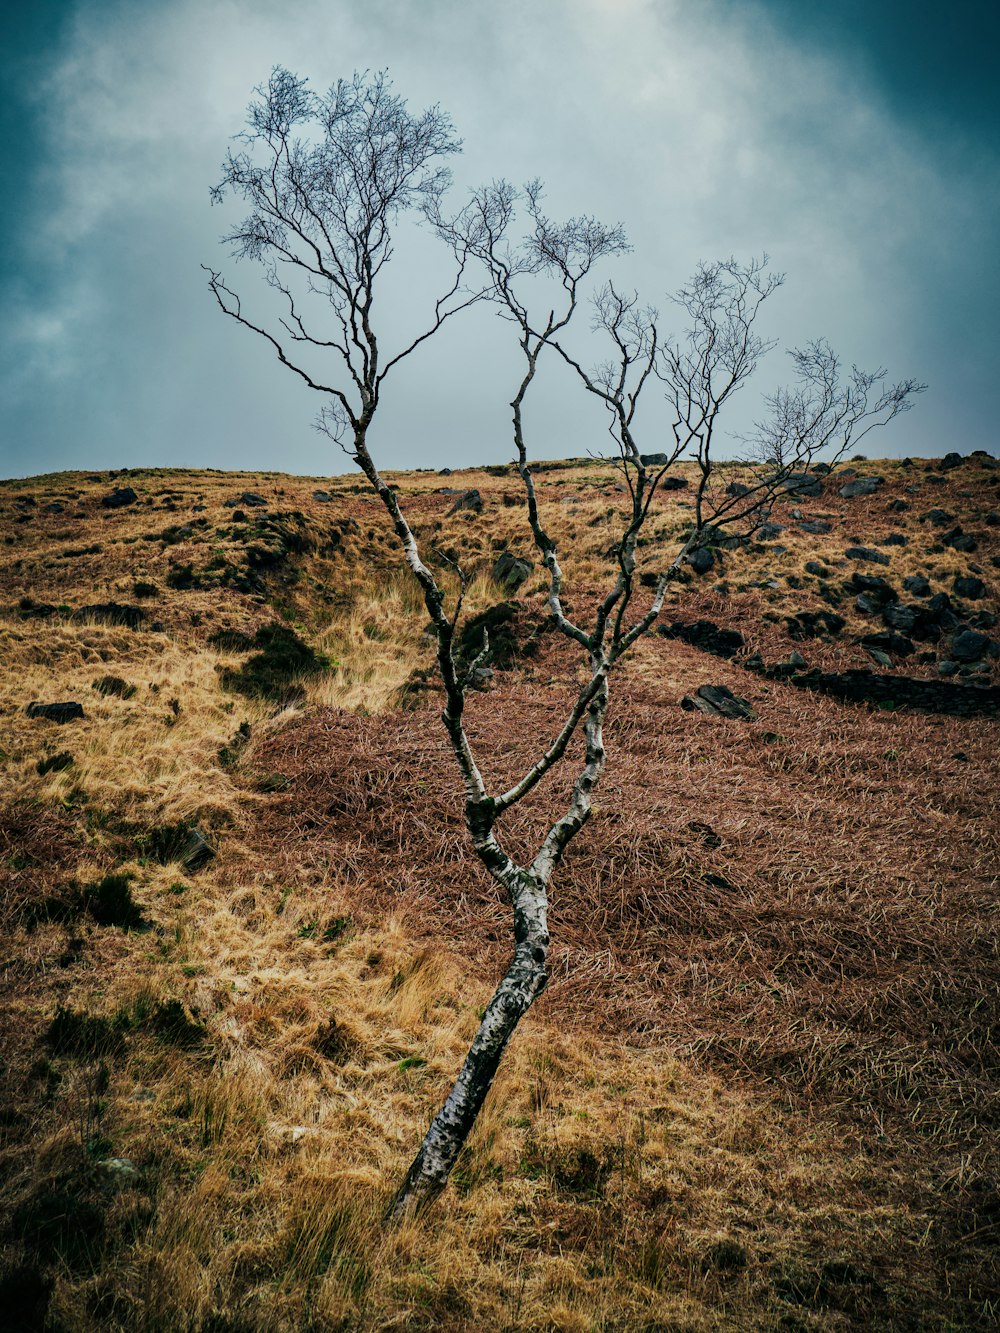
765, 1102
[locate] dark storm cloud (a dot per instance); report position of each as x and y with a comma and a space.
707, 129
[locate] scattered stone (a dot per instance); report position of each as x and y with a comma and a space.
655, 460
899, 506
768, 531
889, 643
969, 586
937, 518
815, 525
861, 486
796, 659
248, 498
674, 484
877, 655
895, 539
866, 553
802, 483
917, 584
946, 667
469, 501
706, 635
324, 497
950, 461
54, 508
737, 489
510, 571
814, 567
701, 560
959, 540
992, 519
717, 699
810, 624
967, 646
119, 497
64, 712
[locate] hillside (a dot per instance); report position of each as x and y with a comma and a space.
245, 946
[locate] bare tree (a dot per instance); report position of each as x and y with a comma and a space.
325, 211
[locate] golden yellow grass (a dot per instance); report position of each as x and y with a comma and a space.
614, 1181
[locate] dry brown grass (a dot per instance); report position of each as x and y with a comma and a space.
763, 1101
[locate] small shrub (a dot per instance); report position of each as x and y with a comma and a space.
73, 1032
113, 685
271, 673
171, 1023
183, 577
54, 763
110, 902
143, 589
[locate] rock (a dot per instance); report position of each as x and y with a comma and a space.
65, 712
877, 655
674, 484
469, 501
815, 526
814, 567
937, 518
444, 471
950, 461
802, 483
946, 667
917, 584
737, 489
753, 663
969, 586
701, 560
706, 635
809, 624
992, 519
968, 646
54, 508
324, 497
899, 506
958, 540
861, 486
822, 468
717, 699
895, 539
510, 571
119, 497
112, 613
866, 553
655, 460
796, 659
902, 617
768, 531
889, 643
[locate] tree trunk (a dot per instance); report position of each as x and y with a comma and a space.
524, 981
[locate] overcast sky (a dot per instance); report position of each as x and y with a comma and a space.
853, 140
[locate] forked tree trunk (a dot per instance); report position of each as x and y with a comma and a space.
524, 981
